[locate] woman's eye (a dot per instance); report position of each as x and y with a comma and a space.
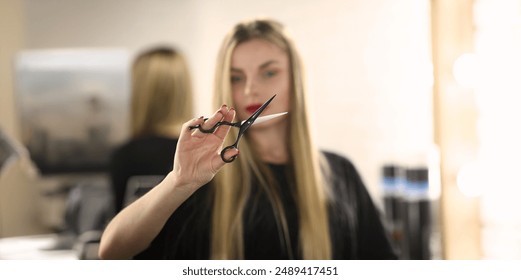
269, 74
235, 79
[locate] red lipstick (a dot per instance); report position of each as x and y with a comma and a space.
252, 108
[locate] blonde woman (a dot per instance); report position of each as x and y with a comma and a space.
280, 199
161, 102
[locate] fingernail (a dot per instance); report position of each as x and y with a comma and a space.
201, 117
224, 106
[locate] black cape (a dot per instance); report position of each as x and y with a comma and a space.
356, 228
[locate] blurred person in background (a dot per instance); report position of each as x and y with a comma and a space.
161, 102
281, 198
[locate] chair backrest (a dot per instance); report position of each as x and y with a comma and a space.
139, 185
87, 245
89, 206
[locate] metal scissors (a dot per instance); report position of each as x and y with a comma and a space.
243, 126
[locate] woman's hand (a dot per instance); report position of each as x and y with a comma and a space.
197, 157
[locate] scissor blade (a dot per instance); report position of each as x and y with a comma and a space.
267, 118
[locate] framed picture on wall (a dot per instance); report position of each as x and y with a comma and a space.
72, 107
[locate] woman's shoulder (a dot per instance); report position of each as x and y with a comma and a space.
341, 171
149, 141
144, 147
155, 142
335, 159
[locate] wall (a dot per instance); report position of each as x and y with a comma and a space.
11, 30
455, 127
19, 202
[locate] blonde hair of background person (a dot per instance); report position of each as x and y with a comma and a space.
231, 190
161, 101
161, 93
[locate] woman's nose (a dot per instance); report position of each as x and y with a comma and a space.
250, 87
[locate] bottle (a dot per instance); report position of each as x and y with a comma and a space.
392, 181
417, 215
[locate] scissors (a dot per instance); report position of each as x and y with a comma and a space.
243, 126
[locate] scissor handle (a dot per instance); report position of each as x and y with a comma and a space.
213, 128
223, 151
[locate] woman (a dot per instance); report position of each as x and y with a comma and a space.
161, 102
280, 199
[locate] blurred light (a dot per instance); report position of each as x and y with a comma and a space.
73, 59
470, 180
465, 70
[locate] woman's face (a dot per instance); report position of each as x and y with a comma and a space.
259, 70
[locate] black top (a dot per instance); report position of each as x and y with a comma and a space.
355, 223
152, 155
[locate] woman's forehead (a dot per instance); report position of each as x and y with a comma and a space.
256, 52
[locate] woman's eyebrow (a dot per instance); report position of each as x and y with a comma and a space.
267, 63
262, 66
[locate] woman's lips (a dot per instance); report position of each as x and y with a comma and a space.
252, 108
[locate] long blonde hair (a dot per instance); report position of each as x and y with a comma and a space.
231, 190
161, 93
